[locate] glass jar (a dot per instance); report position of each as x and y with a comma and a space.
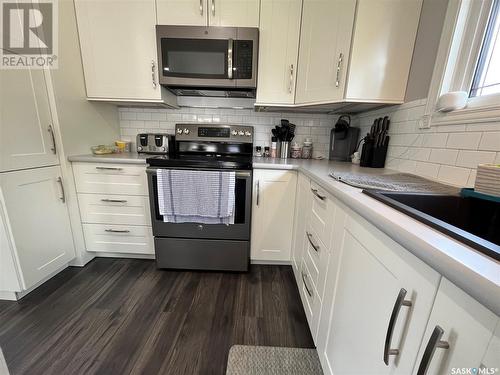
307, 149
296, 151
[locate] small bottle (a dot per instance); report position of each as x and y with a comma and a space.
274, 147
266, 152
258, 151
307, 149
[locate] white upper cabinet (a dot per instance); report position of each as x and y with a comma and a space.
279, 32
118, 44
26, 132
458, 334
39, 220
382, 49
236, 13
383, 300
324, 50
182, 12
272, 214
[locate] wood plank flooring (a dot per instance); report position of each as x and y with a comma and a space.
123, 316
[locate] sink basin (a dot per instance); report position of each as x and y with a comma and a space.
473, 221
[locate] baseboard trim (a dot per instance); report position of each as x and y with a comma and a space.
124, 255
8, 296
271, 262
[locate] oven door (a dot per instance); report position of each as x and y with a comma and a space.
240, 230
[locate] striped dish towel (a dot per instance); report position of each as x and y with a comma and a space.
187, 196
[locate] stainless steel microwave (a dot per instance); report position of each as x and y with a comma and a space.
199, 59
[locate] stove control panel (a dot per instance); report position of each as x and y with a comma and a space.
214, 133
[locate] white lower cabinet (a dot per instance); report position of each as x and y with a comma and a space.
383, 299
39, 221
114, 207
302, 208
272, 214
458, 335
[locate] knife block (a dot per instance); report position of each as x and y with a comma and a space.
373, 156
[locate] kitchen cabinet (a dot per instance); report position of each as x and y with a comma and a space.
303, 203
325, 40
36, 207
236, 13
118, 47
272, 214
27, 137
279, 31
384, 294
460, 329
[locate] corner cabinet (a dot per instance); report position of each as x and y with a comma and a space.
235, 13
118, 46
272, 214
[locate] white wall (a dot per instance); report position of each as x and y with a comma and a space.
447, 153
315, 126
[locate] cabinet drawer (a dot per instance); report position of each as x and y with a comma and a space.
105, 178
114, 209
322, 211
310, 300
118, 238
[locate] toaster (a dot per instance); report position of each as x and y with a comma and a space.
155, 143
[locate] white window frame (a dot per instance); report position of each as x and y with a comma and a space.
461, 41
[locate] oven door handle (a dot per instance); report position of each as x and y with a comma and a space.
239, 174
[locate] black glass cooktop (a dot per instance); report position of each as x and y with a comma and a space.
199, 161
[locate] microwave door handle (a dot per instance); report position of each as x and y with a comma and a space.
230, 58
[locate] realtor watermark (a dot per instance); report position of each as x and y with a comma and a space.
474, 370
29, 33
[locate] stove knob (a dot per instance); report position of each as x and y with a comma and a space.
163, 148
248, 134
186, 131
241, 132
179, 131
234, 132
139, 148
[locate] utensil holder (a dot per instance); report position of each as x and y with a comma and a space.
284, 150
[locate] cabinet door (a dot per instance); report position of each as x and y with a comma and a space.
374, 274
272, 214
236, 13
302, 209
26, 138
279, 46
182, 12
118, 45
464, 324
325, 40
39, 219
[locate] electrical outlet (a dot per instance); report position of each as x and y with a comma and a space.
424, 122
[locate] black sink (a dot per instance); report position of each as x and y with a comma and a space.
473, 221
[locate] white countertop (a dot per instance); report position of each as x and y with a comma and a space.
477, 274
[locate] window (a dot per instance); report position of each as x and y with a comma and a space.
487, 75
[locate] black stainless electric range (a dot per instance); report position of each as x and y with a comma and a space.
206, 246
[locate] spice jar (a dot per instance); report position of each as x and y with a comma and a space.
266, 152
258, 151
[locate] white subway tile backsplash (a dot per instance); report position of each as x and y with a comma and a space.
434, 140
490, 141
464, 141
453, 175
425, 169
471, 159
443, 156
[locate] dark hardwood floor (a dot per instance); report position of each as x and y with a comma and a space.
122, 316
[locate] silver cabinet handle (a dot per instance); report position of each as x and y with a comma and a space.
434, 343
304, 277
315, 192
339, 65
201, 7
258, 191
290, 84
63, 196
153, 74
213, 7
109, 168
117, 231
114, 200
314, 246
51, 132
230, 58
400, 301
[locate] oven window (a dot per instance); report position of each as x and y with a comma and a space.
194, 58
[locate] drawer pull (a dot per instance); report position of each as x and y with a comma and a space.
109, 168
315, 192
117, 230
304, 277
114, 200
434, 343
400, 301
314, 246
